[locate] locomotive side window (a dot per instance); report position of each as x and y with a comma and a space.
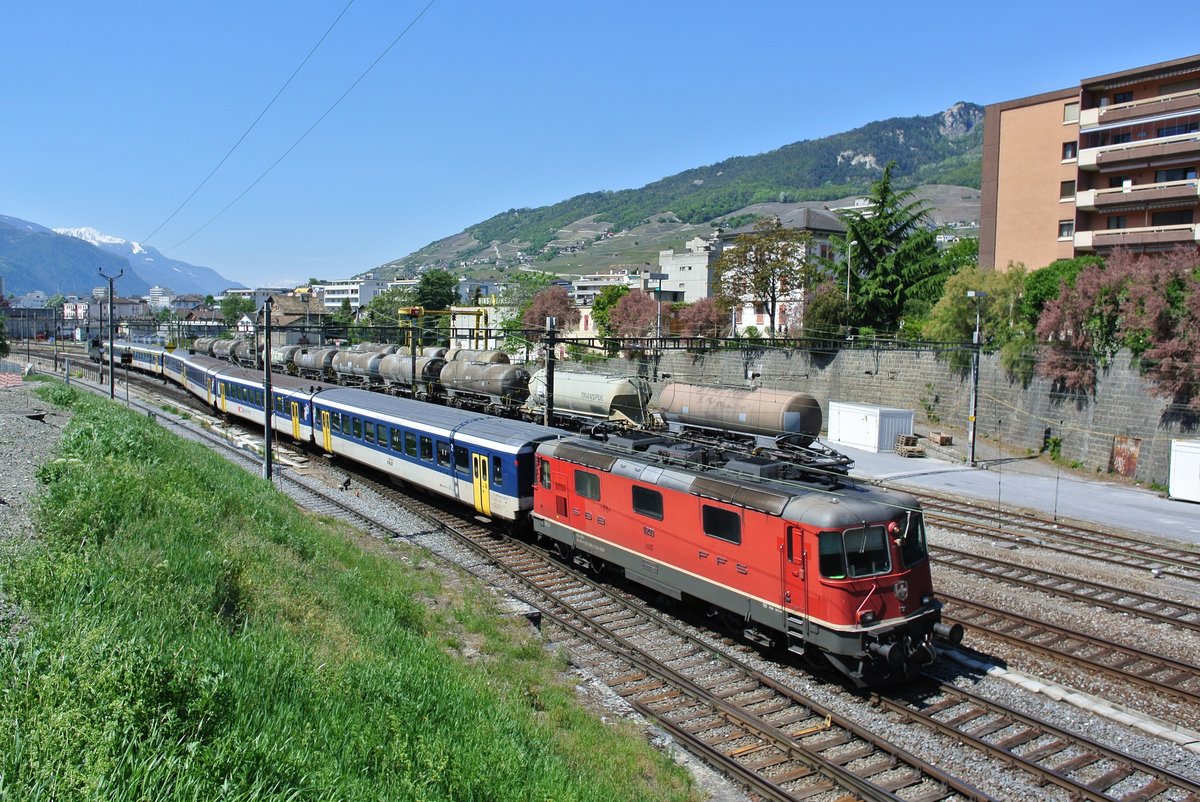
912, 544
410, 444
722, 524
544, 472
443, 452
587, 485
426, 449
462, 459
647, 502
867, 551
833, 562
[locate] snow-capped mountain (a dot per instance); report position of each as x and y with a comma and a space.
153, 266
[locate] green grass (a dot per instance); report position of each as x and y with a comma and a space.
194, 637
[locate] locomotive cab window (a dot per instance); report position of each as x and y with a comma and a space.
722, 524
587, 485
867, 551
544, 472
912, 540
647, 502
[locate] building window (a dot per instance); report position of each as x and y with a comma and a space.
1179, 128
1066, 229
1175, 174
1070, 150
1118, 181
1178, 217
1071, 112
1066, 190
1121, 139
1122, 97
1117, 221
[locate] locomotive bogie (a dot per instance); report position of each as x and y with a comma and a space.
760, 412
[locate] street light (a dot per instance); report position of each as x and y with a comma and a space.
849, 266
978, 295
658, 297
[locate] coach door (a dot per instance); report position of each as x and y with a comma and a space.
295, 405
480, 480
224, 401
326, 433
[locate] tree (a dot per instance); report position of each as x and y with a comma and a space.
437, 289
765, 265
1047, 283
553, 302
894, 258
704, 318
55, 301
233, 307
1082, 328
209, 301
825, 313
634, 315
603, 305
385, 307
1002, 325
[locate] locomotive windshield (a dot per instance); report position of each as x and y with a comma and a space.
854, 553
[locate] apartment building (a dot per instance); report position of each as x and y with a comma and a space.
1106, 164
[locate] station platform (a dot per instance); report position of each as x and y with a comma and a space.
1032, 483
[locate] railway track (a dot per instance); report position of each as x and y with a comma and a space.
1164, 559
1151, 608
1155, 672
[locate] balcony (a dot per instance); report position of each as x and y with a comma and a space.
1147, 107
1146, 152
1138, 196
1137, 239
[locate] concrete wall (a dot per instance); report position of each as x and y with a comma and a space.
1123, 411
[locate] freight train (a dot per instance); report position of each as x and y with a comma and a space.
842, 576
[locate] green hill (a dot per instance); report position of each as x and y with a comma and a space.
944, 148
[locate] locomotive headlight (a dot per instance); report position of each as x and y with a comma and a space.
927, 600
867, 618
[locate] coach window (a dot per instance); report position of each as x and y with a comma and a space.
587, 485
396, 440
357, 428
867, 551
258, 398
462, 459
443, 451
410, 444
369, 432
426, 449
832, 560
722, 524
496, 476
647, 502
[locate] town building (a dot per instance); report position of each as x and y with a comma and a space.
1109, 163
358, 292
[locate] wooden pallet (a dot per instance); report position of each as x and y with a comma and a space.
906, 446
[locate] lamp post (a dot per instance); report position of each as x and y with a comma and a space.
658, 297
849, 266
978, 296
112, 382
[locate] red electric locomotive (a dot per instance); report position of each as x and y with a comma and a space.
840, 573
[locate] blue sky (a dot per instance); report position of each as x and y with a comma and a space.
115, 112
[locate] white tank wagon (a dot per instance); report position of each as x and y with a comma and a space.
316, 363
396, 371
243, 354
284, 356
593, 396
204, 345
357, 367
761, 413
378, 348
485, 384
472, 355
223, 349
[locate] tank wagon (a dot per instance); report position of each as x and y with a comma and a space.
473, 355
243, 354
493, 386
204, 345
357, 367
591, 397
283, 357
396, 371
760, 413
316, 363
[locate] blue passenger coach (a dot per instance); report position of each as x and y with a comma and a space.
474, 458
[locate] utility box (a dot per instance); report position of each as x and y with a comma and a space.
1184, 483
866, 426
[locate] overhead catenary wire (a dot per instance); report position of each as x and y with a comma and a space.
252, 126
312, 127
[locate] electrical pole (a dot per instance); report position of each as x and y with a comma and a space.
112, 374
978, 296
548, 415
268, 405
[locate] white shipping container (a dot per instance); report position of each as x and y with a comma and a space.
866, 426
1184, 483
